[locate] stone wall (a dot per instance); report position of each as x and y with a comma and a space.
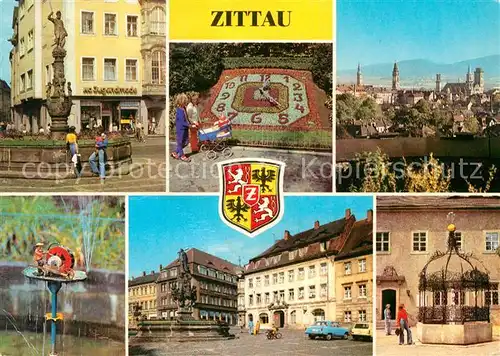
95, 307
54, 162
479, 147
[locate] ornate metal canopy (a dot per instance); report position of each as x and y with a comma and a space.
452, 285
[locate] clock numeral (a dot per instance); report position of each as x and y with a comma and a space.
230, 85
244, 78
225, 95
221, 107
283, 119
264, 77
297, 86
297, 96
300, 108
231, 115
286, 78
256, 119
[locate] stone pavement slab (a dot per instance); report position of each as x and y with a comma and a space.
293, 343
389, 346
304, 172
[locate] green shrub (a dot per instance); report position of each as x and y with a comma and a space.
297, 63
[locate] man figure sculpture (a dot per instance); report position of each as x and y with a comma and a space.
60, 33
183, 261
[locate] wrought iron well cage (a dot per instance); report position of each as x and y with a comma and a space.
450, 296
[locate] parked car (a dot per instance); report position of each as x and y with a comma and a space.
327, 330
362, 331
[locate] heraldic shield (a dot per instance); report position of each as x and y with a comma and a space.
251, 198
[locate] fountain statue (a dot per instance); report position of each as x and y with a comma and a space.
54, 266
184, 327
58, 102
183, 293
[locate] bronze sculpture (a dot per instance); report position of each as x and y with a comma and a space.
60, 33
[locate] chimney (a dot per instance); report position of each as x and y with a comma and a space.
316, 225
347, 214
161, 267
369, 215
287, 235
144, 273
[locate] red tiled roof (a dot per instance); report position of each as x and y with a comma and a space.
205, 259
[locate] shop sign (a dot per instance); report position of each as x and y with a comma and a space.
103, 91
129, 105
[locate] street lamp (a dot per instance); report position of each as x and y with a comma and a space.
451, 221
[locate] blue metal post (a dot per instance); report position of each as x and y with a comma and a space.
54, 288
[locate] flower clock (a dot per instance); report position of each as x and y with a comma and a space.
265, 98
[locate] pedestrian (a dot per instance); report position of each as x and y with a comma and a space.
387, 319
71, 141
99, 157
181, 128
250, 327
257, 327
402, 320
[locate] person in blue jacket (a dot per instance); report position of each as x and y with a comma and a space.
182, 125
99, 156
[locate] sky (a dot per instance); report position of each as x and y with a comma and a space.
160, 226
6, 8
443, 31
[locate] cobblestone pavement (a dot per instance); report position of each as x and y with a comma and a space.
293, 343
304, 172
388, 346
148, 175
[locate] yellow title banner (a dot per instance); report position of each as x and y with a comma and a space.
251, 20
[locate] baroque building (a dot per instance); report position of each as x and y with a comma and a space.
354, 274
215, 280
5, 114
411, 229
104, 63
142, 296
154, 58
293, 283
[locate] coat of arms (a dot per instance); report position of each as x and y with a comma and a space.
251, 199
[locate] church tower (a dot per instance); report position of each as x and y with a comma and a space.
395, 77
468, 81
438, 83
479, 80
359, 77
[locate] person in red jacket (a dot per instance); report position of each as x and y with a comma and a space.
402, 320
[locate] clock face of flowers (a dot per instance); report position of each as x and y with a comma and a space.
262, 97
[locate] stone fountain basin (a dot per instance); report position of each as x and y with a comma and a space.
458, 334
49, 159
181, 331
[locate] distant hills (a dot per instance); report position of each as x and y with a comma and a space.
422, 73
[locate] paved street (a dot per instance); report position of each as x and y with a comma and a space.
304, 172
293, 343
148, 175
389, 346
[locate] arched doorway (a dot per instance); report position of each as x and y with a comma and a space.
318, 314
279, 318
250, 317
388, 297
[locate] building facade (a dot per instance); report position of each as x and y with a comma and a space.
215, 280
104, 62
410, 229
142, 296
292, 284
154, 59
354, 274
5, 114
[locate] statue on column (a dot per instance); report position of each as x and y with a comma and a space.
60, 33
